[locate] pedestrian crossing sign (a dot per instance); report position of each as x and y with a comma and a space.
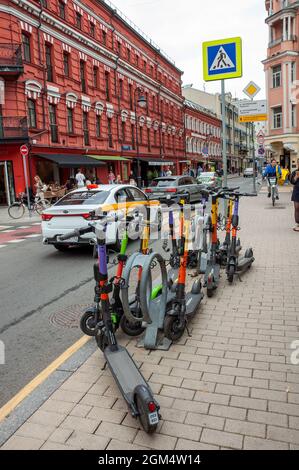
222, 59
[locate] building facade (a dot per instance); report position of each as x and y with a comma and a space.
239, 136
203, 137
72, 76
281, 69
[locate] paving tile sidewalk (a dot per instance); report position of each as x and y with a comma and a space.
230, 385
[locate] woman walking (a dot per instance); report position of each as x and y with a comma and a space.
40, 189
295, 196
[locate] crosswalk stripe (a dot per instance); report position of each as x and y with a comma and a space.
17, 241
3, 246
7, 231
33, 235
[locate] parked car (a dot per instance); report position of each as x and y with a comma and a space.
171, 186
210, 179
248, 173
73, 211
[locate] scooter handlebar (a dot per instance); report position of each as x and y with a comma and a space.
75, 233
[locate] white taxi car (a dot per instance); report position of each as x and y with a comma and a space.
73, 212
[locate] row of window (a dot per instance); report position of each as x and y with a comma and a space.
123, 50
277, 75
165, 109
277, 117
197, 146
202, 127
144, 134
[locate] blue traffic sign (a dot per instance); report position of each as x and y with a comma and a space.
222, 59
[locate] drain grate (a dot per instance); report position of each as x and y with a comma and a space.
70, 316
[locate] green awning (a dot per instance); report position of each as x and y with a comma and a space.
108, 158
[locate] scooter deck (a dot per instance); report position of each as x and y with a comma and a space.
192, 302
124, 371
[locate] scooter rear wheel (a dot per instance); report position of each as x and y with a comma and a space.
171, 330
129, 328
230, 274
144, 415
210, 292
88, 323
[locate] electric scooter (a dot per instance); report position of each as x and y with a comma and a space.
169, 318
130, 381
235, 263
90, 318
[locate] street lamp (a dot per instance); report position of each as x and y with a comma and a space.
142, 103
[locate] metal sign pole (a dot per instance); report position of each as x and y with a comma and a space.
26, 183
224, 155
253, 154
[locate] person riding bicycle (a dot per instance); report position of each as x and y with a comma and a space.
272, 170
40, 189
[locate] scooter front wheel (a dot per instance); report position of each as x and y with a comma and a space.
147, 411
172, 329
88, 323
129, 328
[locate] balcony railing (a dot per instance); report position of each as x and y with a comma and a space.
11, 61
13, 128
277, 41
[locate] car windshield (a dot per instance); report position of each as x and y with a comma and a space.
207, 175
163, 183
83, 198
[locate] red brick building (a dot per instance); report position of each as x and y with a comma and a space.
70, 74
202, 136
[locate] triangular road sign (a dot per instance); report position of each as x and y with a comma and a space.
222, 61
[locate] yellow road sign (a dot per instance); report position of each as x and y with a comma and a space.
222, 59
253, 118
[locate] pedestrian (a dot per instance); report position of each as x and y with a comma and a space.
118, 180
168, 172
40, 189
111, 177
199, 170
285, 172
80, 178
132, 179
295, 196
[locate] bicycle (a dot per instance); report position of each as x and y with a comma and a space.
272, 182
17, 209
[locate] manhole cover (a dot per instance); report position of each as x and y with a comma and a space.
69, 317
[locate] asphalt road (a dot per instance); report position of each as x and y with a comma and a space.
43, 293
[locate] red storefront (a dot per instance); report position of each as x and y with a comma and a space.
203, 137
73, 77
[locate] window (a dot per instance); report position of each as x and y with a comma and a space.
107, 86
84, 197
123, 131
293, 71
144, 65
66, 64
110, 141
118, 47
104, 37
61, 9
120, 88
82, 76
128, 54
141, 134
136, 195
53, 123
95, 76
48, 50
26, 47
44, 3
276, 76
148, 140
152, 70
31, 113
133, 136
293, 115
155, 137
98, 126
277, 117
85, 128
92, 29
70, 121
78, 20
131, 96
137, 60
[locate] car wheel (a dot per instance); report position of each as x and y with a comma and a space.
62, 248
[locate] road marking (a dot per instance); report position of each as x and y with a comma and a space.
36, 223
16, 241
3, 246
5, 226
6, 231
33, 235
41, 377
24, 226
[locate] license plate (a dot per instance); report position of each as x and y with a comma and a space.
71, 240
153, 418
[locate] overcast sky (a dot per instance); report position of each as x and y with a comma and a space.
180, 26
